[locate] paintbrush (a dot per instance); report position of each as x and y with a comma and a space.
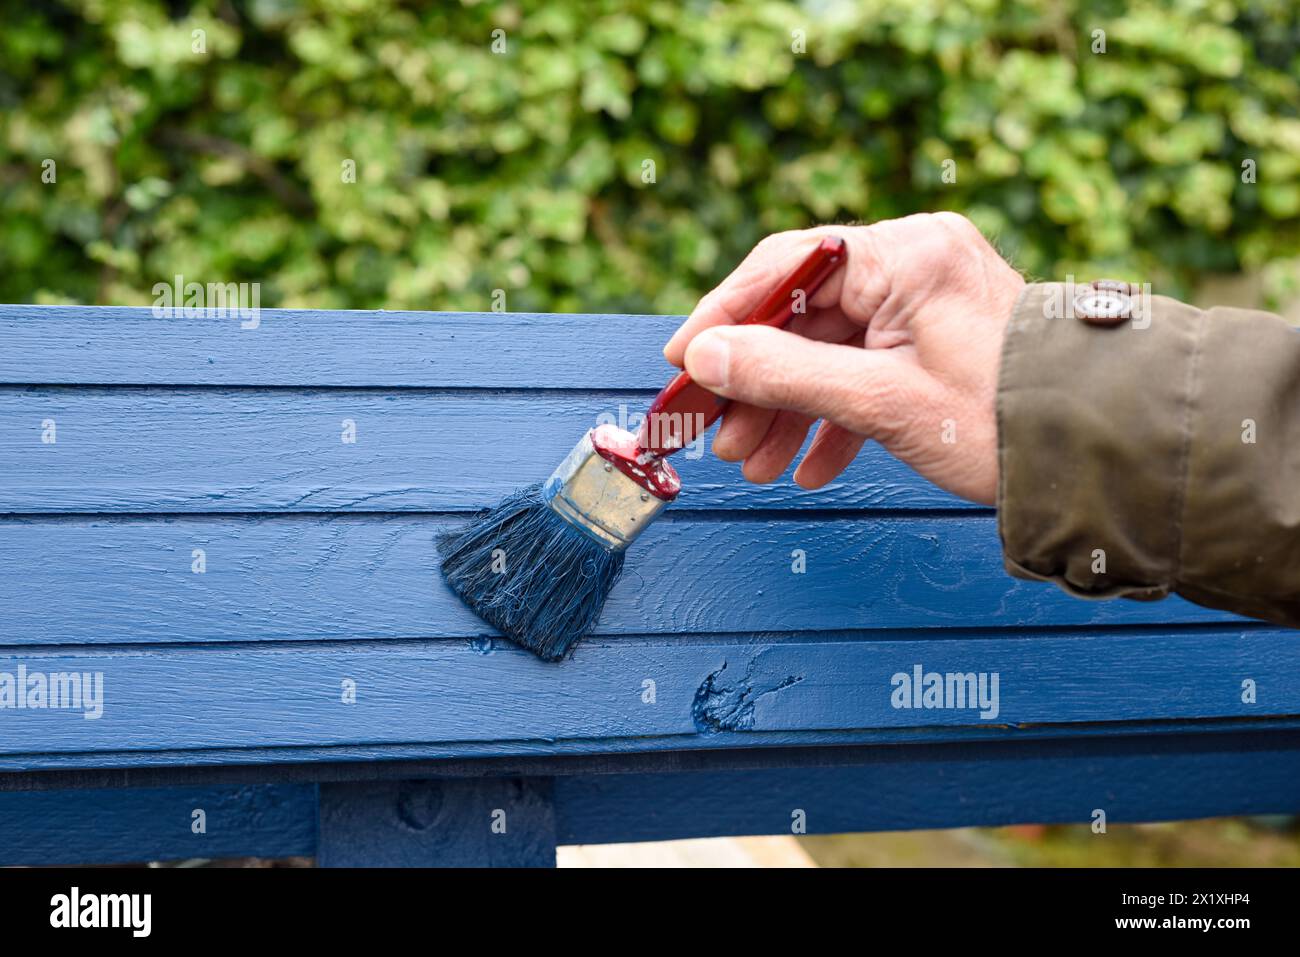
539, 565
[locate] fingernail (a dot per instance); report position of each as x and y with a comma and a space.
708, 359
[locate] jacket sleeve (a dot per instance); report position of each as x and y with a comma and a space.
1157, 454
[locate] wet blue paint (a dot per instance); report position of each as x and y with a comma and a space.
318, 638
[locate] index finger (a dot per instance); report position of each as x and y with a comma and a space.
736, 296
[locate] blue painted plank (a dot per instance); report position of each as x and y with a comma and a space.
93, 345
609, 755
451, 693
1164, 778
476, 822
216, 450
948, 786
105, 580
188, 423
123, 825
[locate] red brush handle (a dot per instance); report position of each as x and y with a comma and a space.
683, 409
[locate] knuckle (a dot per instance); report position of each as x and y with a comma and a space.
722, 306
790, 238
956, 233
955, 224
867, 282
950, 242
772, 241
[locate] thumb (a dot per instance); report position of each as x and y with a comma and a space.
869, 391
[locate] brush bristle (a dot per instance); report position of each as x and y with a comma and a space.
555, 578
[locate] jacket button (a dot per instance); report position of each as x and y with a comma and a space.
1105, 302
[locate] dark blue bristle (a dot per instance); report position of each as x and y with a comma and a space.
555, 581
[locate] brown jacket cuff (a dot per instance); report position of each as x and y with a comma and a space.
1092, 445
1159, 454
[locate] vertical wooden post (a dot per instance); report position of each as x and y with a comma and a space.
460, 822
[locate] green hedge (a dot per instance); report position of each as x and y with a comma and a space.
523, 170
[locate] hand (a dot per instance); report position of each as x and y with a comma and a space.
902, 346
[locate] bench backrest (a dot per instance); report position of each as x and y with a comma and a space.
233, 526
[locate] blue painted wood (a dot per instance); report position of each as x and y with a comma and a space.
183, 434
124, 825
113, 580
246, 450
723, 751
607, 755
946, 786
477, 822
91, 345
450, 693
1161, 777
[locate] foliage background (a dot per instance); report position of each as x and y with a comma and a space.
522, 171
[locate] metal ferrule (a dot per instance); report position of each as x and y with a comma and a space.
592, 495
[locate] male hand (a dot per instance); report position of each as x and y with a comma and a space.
901, 346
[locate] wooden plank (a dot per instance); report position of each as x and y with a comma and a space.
130, 579
92, 345
216, 450
450, 693
125, 825
945, 786
1160, 778
409, 760
476, 822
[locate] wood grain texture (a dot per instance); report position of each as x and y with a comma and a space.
114, 579
454, 694
184, 434
477, 822
218, 450
127, 825
93, 345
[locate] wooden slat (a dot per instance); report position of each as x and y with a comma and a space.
946, 786
452, 693
126, 825
209, 450
90, 345
1149, 779
606, 755
128, 579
